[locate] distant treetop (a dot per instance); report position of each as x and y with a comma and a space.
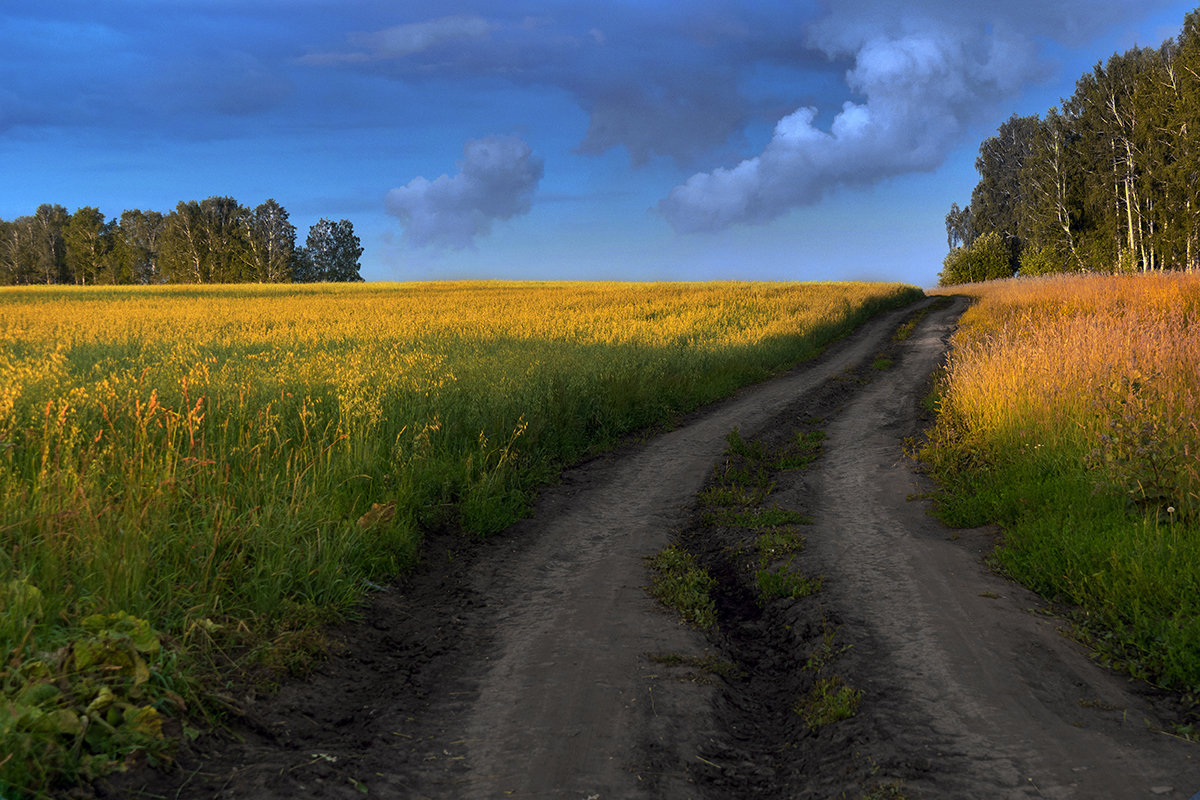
216, 240
1108, 183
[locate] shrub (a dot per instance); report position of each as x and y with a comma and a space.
987, 258
1036, 261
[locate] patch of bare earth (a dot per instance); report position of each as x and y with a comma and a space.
534, 664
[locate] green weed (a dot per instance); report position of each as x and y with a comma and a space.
78, 712
681, 584
737, 446
831, 700
804, 449
778, 543
758, 518
826, 651
906, 330
735, 496
781, 581
746, 477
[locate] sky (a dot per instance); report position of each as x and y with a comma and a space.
595, 139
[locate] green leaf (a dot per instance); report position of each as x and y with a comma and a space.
61, 721
124, 626
39, 694
21, 598
144, 720
102, 653
104, 698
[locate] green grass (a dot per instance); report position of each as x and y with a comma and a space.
782, 581
1067, 416
907, 328
825, 653
755, 518
1130, 573
733, 496
779, 542
681, 584
776, 576
737, 446
831, 700
802, 451
743, 483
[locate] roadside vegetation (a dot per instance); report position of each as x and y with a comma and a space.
194, 479
1068, 414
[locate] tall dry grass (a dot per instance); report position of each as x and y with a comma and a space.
1105, 365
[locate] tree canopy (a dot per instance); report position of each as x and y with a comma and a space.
216, 240
1109, 182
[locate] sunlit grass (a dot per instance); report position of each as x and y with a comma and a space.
233, 465
1068, 412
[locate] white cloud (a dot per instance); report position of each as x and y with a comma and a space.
496, 181
923, 76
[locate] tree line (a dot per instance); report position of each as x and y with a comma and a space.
216, 240
1108, 183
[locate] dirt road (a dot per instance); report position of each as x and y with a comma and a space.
535, 664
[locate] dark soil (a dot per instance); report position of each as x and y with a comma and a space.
534, 663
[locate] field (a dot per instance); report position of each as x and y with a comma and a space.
1068, 414
194, 479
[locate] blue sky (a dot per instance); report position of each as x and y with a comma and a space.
793, 140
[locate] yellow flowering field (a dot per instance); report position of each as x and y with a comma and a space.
190, 472
1069, 413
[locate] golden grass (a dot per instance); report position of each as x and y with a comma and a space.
1083, 362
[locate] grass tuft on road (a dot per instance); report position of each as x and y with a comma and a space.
831, 700
681, 584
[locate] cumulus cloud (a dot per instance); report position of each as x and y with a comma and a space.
496, 181
918, 80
